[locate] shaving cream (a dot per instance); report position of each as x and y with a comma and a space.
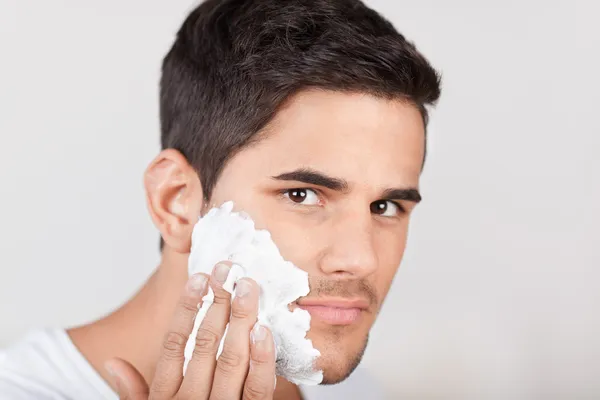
226, 235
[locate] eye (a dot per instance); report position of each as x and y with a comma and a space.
302, 196
386, 208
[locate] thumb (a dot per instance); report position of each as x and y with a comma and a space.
128, 382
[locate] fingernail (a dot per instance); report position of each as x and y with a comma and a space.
258, 334
221, 272
242, 288
109, 369
116, 379
196, 284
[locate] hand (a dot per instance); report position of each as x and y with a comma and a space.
244, 370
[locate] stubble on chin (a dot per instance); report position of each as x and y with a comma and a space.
338, 365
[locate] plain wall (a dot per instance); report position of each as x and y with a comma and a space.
498, 296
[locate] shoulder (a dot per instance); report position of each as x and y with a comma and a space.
34, 346
26, 367
45, 364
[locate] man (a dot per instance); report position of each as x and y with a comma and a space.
310, 115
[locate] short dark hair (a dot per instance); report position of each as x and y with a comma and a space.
235, 62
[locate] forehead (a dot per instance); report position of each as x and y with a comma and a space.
357, 137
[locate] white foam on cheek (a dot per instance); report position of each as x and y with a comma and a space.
225, 235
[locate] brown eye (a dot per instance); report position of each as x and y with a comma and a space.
297, 195
385, 208
302, 196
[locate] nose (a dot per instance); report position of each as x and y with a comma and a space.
350, 251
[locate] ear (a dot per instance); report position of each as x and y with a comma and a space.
175, 199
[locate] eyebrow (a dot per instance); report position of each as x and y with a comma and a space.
411, 194
312, 177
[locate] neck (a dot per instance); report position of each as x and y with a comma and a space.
136, 330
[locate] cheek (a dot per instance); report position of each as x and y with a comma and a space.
390, 246
297, 240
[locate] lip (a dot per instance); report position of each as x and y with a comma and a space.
361, 304
334, 311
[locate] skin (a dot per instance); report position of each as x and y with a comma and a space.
350, 239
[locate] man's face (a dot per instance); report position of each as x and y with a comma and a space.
334, 181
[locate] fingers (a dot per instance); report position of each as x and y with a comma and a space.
169, 370
129, 383
260, 383
200, 370
246, 368
232, 365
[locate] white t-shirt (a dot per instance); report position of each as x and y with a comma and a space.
46, 365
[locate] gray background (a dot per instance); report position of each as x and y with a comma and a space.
498, 295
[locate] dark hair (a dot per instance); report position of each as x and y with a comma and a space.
235, 62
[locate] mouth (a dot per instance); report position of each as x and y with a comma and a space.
334, 311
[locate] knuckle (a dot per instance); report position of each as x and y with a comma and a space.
207, 341
174, 344
260, 358
222, 297
229, 361
187, 307
254, 390
240, 312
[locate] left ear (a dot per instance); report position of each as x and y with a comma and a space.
174, 197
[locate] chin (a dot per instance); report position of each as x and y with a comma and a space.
339, 359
